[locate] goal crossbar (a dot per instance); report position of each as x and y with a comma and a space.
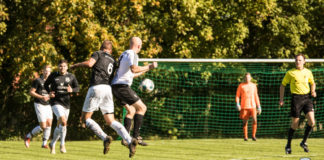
227, 60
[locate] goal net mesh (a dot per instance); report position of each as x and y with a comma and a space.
197, 100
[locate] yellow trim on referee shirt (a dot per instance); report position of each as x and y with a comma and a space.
299, 80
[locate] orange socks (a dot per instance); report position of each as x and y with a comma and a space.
245, 131
254, 129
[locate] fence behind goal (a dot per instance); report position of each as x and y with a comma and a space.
197, 99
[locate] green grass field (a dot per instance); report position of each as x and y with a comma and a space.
223, 149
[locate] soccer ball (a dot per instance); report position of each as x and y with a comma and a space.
146, 85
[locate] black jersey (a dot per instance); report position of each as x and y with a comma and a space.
103, 69
59, 83
38, 84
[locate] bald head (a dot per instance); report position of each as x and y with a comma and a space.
135, 44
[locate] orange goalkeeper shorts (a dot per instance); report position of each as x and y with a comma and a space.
245, 114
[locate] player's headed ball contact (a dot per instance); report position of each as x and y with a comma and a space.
146, 85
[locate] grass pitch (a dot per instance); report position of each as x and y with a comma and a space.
198, 149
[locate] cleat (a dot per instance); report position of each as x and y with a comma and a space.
124, 143
27, 141
288, 150
304, 146
132, 147
52, 148
106, 144
254, 138
141, 142
45, 146
245, 139
62, 149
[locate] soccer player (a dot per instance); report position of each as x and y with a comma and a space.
299, 79
99, 96
121, 83
60, 85
250, 104
42, 107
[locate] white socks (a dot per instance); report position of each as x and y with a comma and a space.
90, 123
34, 132
120, 129
62, 134
59, 132
56, 135
46, 135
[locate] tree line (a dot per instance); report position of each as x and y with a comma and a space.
38, 32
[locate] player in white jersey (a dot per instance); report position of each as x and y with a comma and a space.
42, 107
129, 69
99, 96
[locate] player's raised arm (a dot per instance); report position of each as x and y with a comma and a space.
89, 63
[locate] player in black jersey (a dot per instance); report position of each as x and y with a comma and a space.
99, 96
60, 85
42, 107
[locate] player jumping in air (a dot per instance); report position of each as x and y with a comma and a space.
121, 85
99, 96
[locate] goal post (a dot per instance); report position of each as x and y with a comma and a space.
195, 98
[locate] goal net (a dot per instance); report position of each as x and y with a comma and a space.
196, 99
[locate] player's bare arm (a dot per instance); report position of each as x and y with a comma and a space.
282, 94
139, 74
313, 88
33, 93
137, 69
89, 63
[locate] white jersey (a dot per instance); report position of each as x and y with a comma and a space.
124, 74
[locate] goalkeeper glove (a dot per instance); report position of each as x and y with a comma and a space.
259, 110
238, 106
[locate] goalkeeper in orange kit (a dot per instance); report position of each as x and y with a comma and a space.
250, 104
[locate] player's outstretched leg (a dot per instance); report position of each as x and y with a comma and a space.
34, 132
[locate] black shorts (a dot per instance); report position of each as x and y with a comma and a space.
124, 94
300, 103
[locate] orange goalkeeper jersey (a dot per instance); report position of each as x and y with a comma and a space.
248, 93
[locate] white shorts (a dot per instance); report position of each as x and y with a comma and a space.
60, 111
99, 96
43, 112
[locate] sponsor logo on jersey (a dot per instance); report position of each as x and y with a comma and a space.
67, 79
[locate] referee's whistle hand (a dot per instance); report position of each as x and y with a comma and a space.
314, 94
281, 103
